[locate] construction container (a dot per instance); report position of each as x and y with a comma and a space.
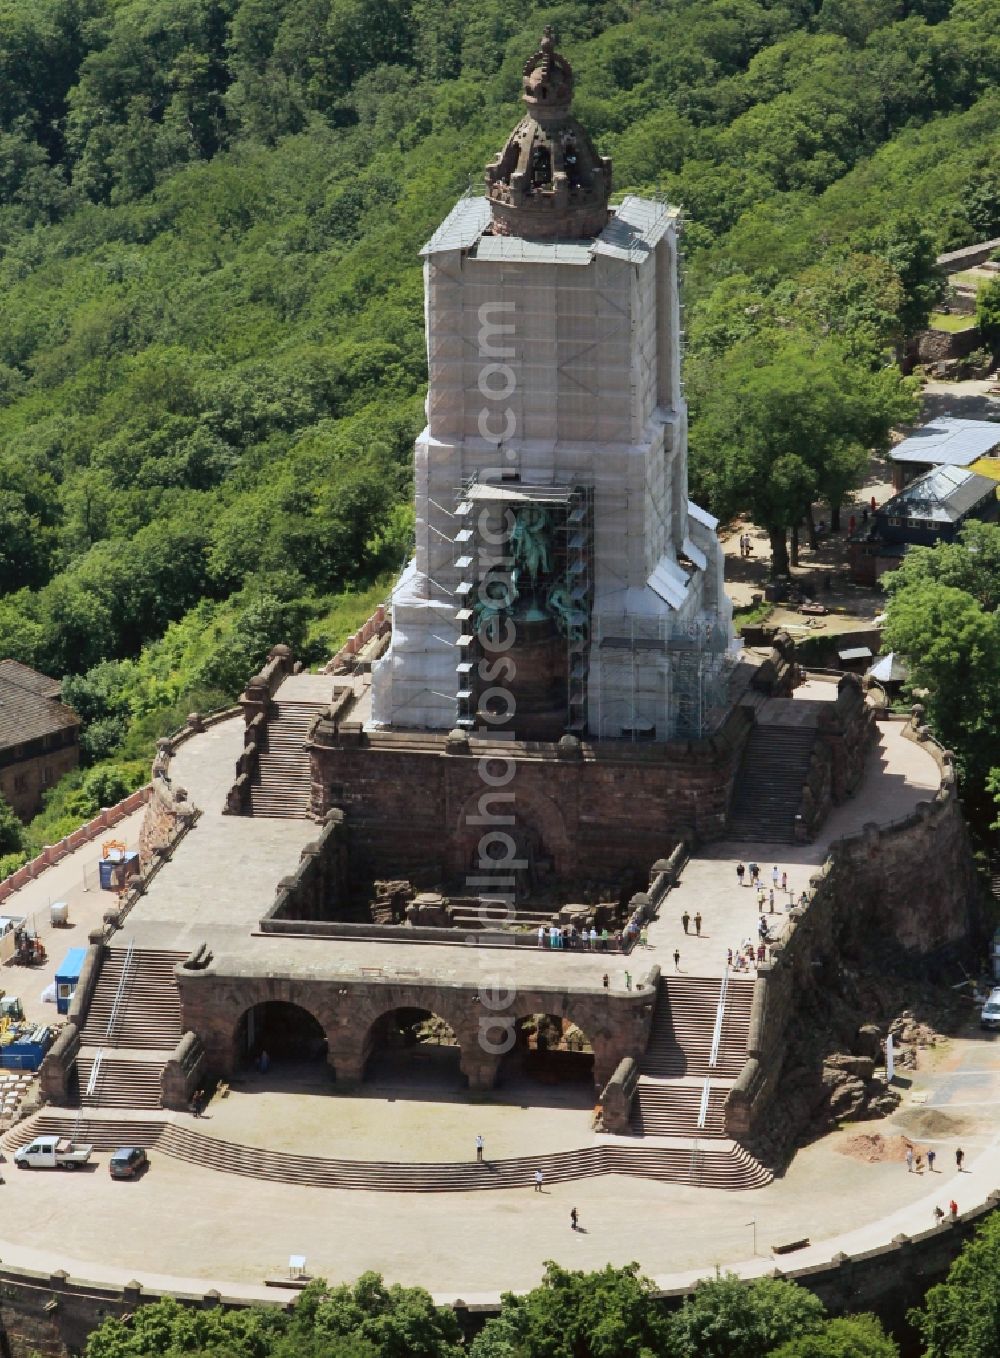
67, 978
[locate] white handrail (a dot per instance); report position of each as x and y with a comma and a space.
713, 1058
703, 1109
119, 993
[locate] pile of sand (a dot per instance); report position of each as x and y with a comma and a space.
873, 1147
933, 1123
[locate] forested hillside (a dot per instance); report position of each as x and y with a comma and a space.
211, 349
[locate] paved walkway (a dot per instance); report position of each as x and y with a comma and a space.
899, 774
212, 1226
74, 881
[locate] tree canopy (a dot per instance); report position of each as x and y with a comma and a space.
943, 617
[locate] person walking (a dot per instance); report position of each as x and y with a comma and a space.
593, 939
760, 899
541, 935
607, 982
685, 920
604, 940
740, 873
677, 959
539, 1178
931, 1157
771, 906
574, 1218
628, 980
953, 1209
697, 923
754, 873
959, 1157
938, 1216
479, 1149
775, 876
784, 881
909, 1159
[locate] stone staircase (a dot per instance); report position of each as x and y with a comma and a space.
725, 1164
675, 1070
122, 1082
672, 1108
149, 1014
147, 1028
281, 783
768, 788
680, 1041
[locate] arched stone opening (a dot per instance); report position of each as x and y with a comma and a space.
521, 837
415, 1048
278, 1033
550, 1050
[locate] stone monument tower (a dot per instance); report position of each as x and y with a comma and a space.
562, 581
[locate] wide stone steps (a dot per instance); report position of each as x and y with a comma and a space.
672, 1109
725, 1164
768, 788
149, 1013
683, 1026
103, 1133
281, 783
121, 1083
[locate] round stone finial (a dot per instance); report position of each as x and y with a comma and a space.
548, 182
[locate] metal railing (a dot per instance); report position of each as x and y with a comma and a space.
713, 1058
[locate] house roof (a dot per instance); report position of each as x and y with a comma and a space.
30, 679
943, 495
948, 440
890, 669
29, 705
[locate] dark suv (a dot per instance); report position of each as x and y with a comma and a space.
128, 1162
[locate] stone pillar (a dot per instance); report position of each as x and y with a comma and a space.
479, 1066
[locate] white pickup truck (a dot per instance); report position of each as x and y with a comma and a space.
52, 1152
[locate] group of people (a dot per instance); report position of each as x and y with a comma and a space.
747, 956
569, 936
746, 544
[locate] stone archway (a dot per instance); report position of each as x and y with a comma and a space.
281, 1032
415, 1048
497, 826
549, 1050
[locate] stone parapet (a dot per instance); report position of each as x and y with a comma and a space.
58, 1070
183, 1074
617, 1096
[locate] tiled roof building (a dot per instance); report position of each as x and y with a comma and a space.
39, 736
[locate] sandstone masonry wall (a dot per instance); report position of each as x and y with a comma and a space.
911, 883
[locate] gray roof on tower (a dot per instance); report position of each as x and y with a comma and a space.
634, 229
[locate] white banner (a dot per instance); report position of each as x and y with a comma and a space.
890, 1065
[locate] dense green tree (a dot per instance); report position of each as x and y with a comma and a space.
988, 313
11, 829
606, 1314
960, 1317
943, 617
781, 420
727, 1318
844, 1337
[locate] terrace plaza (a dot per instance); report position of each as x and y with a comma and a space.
478, 877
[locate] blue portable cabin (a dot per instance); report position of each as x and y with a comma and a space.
67, 977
